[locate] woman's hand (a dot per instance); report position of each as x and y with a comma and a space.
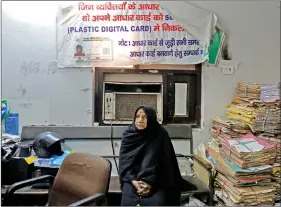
137, 186
145, 188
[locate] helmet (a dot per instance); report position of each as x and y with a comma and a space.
47, 144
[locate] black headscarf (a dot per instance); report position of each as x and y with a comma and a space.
148, 155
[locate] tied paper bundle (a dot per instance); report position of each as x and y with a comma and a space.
275, 140
272, 106
248, 151
241, 177
239, 186
251, 91
267, 121
276, 179
245, 196
242, 110
261, 116
270, 92
227, 129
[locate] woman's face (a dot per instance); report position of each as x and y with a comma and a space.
141, 120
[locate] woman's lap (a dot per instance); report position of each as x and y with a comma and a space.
130, 197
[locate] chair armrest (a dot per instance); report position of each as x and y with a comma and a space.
207, 167
12, 188
97, 199
16, 186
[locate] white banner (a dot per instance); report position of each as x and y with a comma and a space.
114, 33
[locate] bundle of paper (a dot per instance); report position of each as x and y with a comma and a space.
275, 140
243, 110
267, 121
254, 195
244, 177
271, 138
245, 90
237, 184
238, 176
276, 179
273, 106
270, 92
248, 151
241, 113
261, 116
249, 180
236, 126
227, 129
277, 188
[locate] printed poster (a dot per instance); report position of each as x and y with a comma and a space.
115, 33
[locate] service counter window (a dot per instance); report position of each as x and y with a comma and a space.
176, 93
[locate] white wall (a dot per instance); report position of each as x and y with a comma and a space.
34, 86
254, 30
29, 70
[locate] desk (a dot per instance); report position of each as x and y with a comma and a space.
114, 187
29, 196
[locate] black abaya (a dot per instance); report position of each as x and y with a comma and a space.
148, 155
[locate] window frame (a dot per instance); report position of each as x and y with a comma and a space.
170, 77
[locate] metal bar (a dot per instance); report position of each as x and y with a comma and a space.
115, 138
98, 132
207, 167
117, 156
191, 146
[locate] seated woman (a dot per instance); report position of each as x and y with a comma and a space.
148, 169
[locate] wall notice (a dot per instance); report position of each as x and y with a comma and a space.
95, 34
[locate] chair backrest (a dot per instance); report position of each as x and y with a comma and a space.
81, 175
